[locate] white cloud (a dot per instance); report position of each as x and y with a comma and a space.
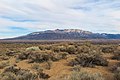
92, 15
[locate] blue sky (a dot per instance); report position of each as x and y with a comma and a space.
20, 17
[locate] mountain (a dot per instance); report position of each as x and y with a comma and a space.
65, 34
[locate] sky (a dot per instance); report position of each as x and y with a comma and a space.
20, 17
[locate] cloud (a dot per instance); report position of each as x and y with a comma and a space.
36, 15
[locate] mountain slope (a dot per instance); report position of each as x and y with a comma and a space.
72, 34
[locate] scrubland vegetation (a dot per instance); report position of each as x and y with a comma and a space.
59, 61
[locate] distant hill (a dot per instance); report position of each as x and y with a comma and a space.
65, 34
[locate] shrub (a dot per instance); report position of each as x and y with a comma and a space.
56, 49
58, 56
71, 49
39, 57
115, 68
37, 67
83, 75
34, 56
83, 49
12, 50
8, 76
4, 57
88, 49
55, 57
117, 76
88, 56
45, 47
63, 55
39, 72
62, 48
43, 75
15, 73
48, 65
26, 75
108, 49
77, 68
116, 55
89, 60
4, 64
32, 48
17, 60
10, 53
42, 47
23, 56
